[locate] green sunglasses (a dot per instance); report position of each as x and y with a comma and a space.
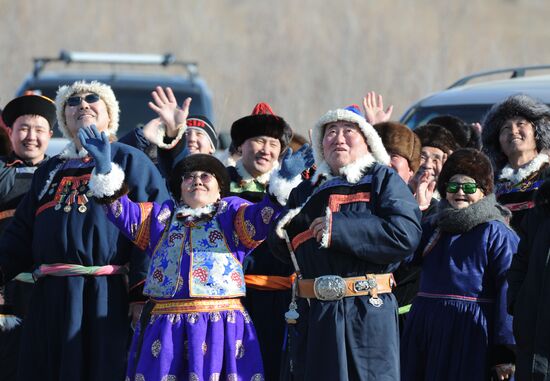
468, 188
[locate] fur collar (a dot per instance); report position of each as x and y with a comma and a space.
247, 177
188, 214
352, 172
456, 221
515, 176
70, 152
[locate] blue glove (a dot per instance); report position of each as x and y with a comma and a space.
295, 163
98, 146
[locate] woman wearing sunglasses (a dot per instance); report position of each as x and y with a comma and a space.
198, 329
458, 327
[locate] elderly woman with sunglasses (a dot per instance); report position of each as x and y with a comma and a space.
458, 327
198, 329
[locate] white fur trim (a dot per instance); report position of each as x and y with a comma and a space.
285, 220
352, 172
515, 176
325, 240
8, 322
247, 177
161, 133
105, 93
108, 184
187, 211
281, 187
371, 136
70, 152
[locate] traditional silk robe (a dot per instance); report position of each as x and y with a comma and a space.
197, 260
76, 327
373, 223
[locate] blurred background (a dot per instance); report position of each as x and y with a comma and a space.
303, 57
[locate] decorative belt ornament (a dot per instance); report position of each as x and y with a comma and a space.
329, 287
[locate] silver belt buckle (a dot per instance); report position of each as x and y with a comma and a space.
365, 285
329, 287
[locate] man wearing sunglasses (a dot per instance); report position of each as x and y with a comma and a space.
86, 273
29, 120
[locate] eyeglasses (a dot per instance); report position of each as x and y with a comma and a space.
76, 100
468, 188
204, 177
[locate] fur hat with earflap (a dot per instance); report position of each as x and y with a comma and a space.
81, 87
353, 172
521, 105
400, 140
469, 162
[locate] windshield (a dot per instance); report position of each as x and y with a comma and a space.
468, 113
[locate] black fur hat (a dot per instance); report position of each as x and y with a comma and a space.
465, 135
198, 162
470, 162
262, 122
521, 105
433, 135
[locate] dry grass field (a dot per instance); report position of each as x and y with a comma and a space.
302, 56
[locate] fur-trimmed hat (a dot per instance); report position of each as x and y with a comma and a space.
198, 162
432, 135
200, 122
400, 140
105, 93
353, 115
262, 122
521, 105
29, 105
465, 135
469, 162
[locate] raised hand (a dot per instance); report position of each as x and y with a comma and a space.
294, 163
373, 106
98, 146
166, 106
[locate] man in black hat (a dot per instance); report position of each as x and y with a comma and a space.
260, 138
29, 120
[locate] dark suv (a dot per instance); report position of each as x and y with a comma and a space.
471, 101
132, 88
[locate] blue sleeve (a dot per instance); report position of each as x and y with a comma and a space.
136, 139
386, 233
503, 243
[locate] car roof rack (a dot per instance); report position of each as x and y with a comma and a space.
516, 72
115, 58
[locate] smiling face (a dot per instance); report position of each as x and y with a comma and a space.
401, 166
199, 189
460, 199
517, 136
259, 154
431, 161
85, 114
343, 144
197, 141
29, 137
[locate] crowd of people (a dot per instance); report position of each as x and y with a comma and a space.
369, 251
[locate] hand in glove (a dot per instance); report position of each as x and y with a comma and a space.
98, 146
294, 163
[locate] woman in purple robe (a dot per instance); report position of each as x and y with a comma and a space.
197, 328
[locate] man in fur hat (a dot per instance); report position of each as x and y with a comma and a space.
403, 146
516, 135
77, 324
261, 138
348, 227
29, 120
